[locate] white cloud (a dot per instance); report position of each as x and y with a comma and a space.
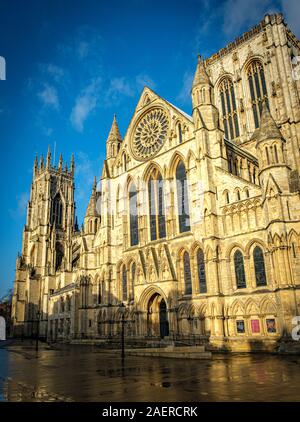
85, 42
291, 11
49, 96
144, 80
21, 206
22, 200
85, 103
119, 87
237, 13
184, 95
56, 72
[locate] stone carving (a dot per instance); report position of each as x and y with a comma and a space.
150, 134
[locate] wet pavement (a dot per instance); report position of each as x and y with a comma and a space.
86, 373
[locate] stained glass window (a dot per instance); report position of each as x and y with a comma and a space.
239, 270
57, 211
182, 198
133, 271
124, 283
156, 206
258, 89
201, 271
259, 265
187, 273
179, 133
229, 111
271, 325
134, 226
240, 326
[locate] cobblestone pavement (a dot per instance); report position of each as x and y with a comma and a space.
85, 373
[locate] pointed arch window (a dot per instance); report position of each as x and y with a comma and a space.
133, 271
201, 271
239, 270
100, 291
258, 89
133, 215
259, 266
59, 255
124, 283
57, 211
156, 206
229, 110
187, 274
182, 198
179, 129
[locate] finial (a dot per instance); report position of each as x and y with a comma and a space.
35, 165
72, 165
199, 58
60, 162
48, 157
95, 184
42, 162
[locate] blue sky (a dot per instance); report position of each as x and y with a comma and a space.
72, 64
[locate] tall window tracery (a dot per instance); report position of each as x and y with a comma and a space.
201, 271
182, 198
156, 206
239, 270
57, 211
187, 274
133, 215
258, 89
124, 284
133, 271
229, 109
179, 129
259, 266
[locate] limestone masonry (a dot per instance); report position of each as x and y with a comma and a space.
193, 232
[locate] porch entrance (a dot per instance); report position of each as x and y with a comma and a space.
157, 317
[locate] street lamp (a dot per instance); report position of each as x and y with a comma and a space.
122, 310
37, 330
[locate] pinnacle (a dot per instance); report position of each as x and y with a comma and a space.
201, 76
268, 128
114, 130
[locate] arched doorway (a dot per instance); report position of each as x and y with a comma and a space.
2, 328
157, 317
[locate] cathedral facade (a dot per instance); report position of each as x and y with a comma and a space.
193, 232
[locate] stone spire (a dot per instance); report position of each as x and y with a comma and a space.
48, 162
201, 77
60, 164
113, 144
41, 162
35, 166
268, 128
91, 210
72, 165
114, 133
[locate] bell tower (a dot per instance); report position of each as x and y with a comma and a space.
46, 247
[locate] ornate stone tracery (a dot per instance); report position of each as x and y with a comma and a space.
150, 134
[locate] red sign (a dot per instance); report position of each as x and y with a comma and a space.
255, 326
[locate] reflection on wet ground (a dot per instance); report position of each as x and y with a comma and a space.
83, 373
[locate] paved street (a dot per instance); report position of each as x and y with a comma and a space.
84, 373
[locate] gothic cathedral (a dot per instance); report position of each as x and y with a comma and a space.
192, 233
